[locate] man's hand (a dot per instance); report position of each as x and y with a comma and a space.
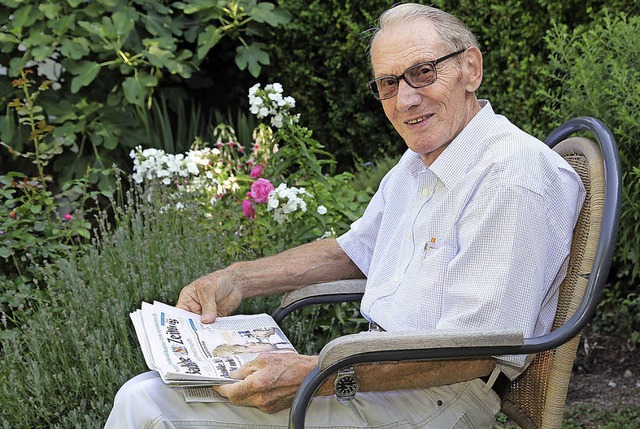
269, 382
216, 294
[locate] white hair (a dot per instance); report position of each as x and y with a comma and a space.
454, 33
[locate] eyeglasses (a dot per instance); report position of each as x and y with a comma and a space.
418, 76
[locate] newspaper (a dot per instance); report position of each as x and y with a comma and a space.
188, 353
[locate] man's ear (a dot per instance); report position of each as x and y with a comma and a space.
473, 66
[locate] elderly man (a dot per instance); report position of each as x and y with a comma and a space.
472, 228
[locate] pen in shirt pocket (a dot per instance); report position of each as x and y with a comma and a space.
431, 244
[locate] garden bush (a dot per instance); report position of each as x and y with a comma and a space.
596, 74
166, 232
322, 58
109, 59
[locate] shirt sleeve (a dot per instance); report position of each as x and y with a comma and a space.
360, 240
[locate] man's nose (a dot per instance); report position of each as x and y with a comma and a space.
407, 96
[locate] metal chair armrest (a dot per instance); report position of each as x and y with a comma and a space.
395, 346
320, 293
364, 345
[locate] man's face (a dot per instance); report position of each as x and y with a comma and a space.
426, 118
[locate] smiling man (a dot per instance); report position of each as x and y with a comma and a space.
472, 228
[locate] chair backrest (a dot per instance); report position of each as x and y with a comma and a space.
537, 398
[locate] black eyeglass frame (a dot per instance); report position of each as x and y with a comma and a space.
373, 83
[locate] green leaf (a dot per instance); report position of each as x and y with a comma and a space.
124, 21
91, 27
42, 52
50, 10
8, 38
194, 6
133, 91
5, 252
75, 48
207, 40
86, 73
23, 17
251, 57
83, 233
159, 51
267, 13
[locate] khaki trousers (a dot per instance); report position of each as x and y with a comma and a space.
145, 402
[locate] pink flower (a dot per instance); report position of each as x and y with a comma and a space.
67, 216
248, 209
260, 190
256, 171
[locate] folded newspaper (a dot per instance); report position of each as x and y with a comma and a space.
188, 353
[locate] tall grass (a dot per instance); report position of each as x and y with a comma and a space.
65, 365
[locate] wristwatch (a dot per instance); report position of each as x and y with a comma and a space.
346, 384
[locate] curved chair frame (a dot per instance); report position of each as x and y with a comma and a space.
435, 345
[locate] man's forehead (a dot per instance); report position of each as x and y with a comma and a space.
400, 46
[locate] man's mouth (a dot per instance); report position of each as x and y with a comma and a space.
417, 120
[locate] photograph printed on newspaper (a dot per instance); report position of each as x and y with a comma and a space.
186, 352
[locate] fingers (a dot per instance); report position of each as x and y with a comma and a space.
199, 297
187, 302
207, 299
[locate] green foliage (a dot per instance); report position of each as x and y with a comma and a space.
578, 415
596, 74
108, 59
37, 226
322, 57
81, 326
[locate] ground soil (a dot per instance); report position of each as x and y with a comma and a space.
606, 373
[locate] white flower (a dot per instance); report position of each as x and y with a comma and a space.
290, 102
273, 202
263, 112
276, 121
322, 210
291, 205
254, 88
277, 97
280, 217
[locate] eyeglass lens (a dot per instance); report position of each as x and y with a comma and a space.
417, 76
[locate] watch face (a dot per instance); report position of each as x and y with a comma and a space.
346, 386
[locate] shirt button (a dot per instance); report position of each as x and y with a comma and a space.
396, 279
426, 192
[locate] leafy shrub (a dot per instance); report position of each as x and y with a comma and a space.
109, 58
322, 58
36, 226
597, 75
81, 325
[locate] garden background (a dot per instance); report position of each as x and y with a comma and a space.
87, 87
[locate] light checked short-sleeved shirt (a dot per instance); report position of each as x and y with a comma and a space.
479, 239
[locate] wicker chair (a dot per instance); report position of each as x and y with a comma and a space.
537, 398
